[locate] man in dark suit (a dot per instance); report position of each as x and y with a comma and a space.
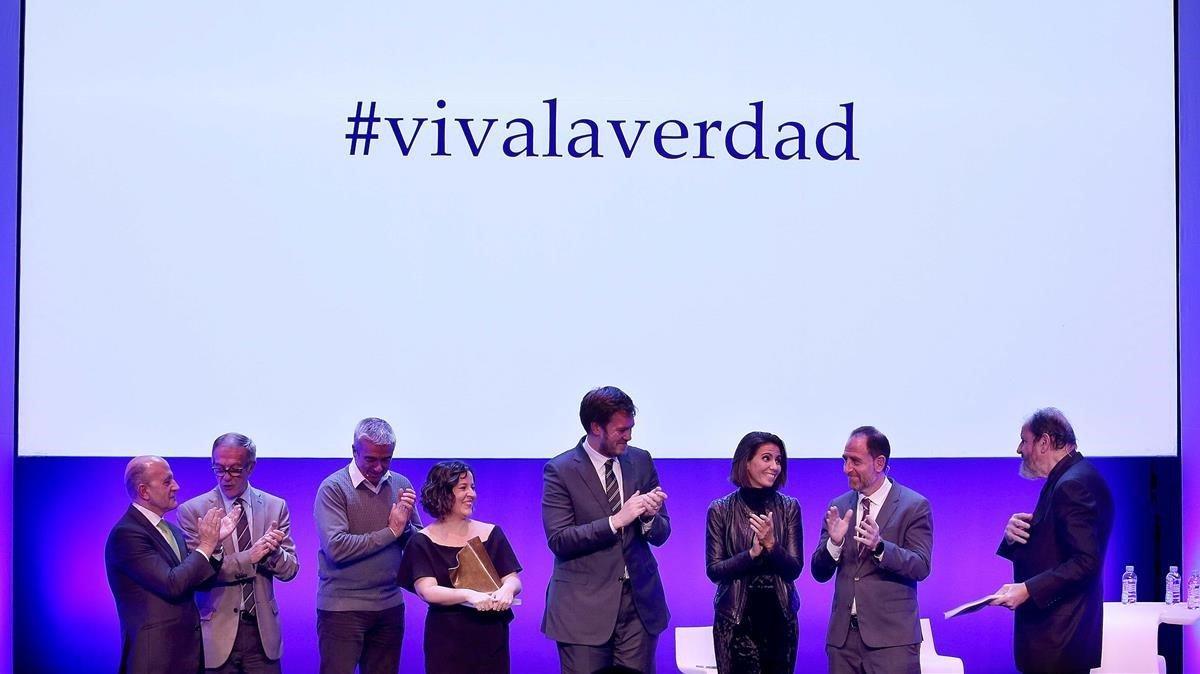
875, 623
153, 577
1057, 552
602, 508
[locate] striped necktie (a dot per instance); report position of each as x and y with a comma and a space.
866, 505
611, 490
170, 536
243, 541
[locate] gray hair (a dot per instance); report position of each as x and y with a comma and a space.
376, 430
236, 440
135, 473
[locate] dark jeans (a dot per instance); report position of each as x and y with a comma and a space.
247, 656
369, 639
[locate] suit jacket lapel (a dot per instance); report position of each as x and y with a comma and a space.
628, 477
258, 526
587, 473
890, 506
156, 535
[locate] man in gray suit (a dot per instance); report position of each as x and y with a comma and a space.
875, 624
602, 509
239, 618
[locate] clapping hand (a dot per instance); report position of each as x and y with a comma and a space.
654, 502
763, 527
631, 509
209, 531
401, 511
267, 544
837, 525
229, 522
867, 535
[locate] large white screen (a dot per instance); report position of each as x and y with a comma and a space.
200, 252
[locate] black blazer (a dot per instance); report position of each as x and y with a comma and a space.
728, 562
1060, 626
160, 626
584, 594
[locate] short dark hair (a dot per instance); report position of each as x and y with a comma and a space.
1050, 421
437, 494
877, 443
745, 451
600, 404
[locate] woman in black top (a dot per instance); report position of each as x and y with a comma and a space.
753, 553
465, 630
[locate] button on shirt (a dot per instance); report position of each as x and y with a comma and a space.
877, 500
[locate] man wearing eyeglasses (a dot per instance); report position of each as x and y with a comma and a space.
239, 618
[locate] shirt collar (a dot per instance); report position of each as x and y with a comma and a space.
880, 496
247, 496
149, 514
598, 459
357, 478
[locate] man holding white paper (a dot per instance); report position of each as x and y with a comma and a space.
1057, 552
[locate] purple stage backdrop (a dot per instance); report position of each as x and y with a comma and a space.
66, 622
70, 504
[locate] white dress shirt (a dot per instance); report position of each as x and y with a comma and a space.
598, 461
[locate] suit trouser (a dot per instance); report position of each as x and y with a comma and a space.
630, 645
855, 657
247, 655
369, 639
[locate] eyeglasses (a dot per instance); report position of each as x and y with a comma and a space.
231, 471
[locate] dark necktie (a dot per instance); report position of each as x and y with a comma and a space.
866, 504
611, 490
243, 541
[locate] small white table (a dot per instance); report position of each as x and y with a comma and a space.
1130, 639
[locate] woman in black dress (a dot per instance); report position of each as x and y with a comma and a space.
753, 546
465, 631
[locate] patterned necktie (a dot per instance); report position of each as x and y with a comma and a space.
243, 541
162, 526
611, 490
866, 505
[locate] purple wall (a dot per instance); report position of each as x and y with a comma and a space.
10, 23
63, 589
1188, 98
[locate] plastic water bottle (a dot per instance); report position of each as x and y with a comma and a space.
1194, 590
1173, 581
1129, 586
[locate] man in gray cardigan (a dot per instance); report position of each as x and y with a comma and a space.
365, 516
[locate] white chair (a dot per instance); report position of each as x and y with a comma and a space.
1129, 644
931, 662
694, 650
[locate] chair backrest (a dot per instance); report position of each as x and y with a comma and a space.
927, 638
694, 648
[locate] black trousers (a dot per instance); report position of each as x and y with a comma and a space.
763, 641
368, 639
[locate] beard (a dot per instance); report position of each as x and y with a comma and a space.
1026, 471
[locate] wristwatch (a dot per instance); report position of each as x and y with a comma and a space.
878, 549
